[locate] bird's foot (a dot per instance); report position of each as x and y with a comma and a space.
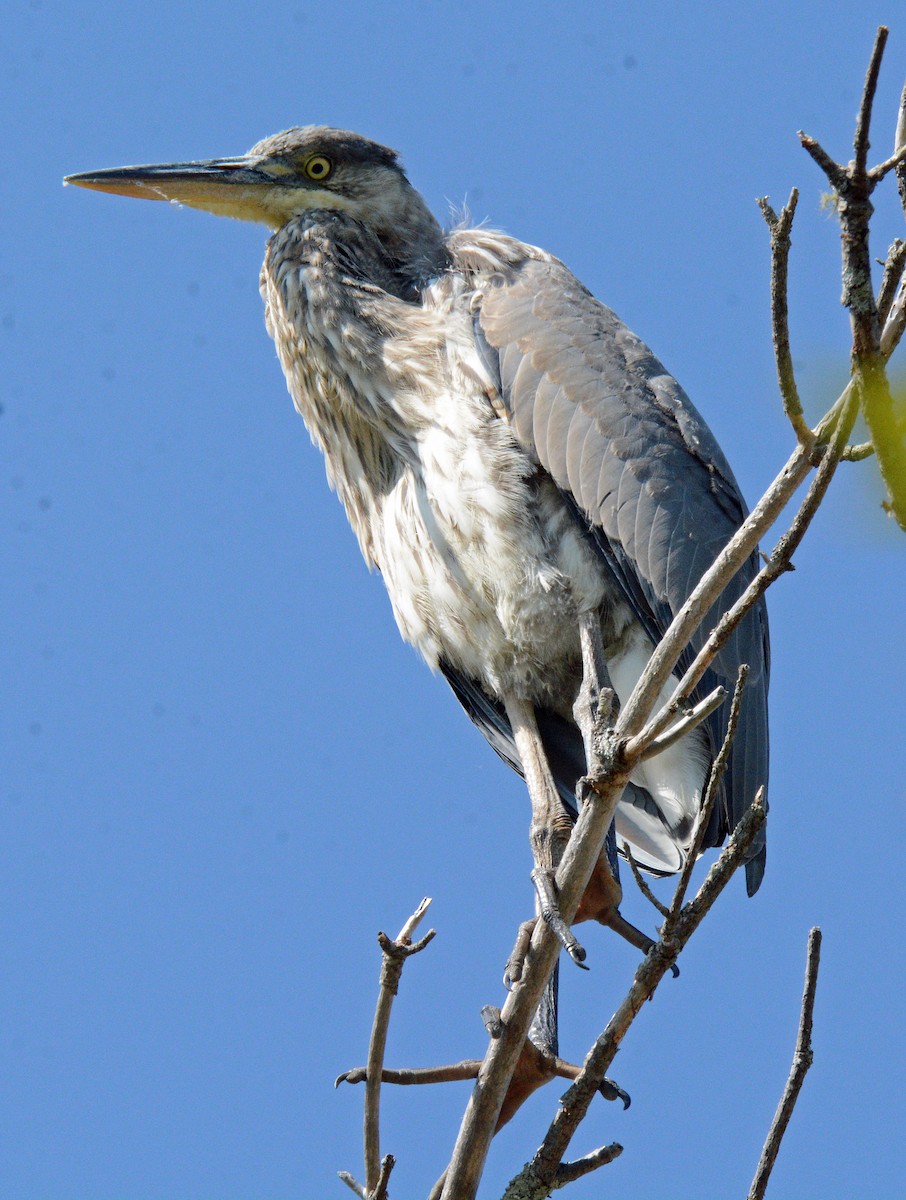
618, 923
546, 889
537, 1067
516, 962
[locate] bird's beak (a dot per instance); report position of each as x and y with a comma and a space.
248, 188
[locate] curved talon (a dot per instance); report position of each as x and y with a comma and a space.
565, 935
355, 1075
612, 1091
577, 953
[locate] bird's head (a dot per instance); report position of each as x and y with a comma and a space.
299, 170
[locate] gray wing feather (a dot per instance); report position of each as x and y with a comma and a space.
589, 401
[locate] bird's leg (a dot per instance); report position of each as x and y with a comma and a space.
551, 826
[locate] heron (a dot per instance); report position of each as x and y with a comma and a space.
538, 493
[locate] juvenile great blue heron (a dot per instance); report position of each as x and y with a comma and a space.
536, 490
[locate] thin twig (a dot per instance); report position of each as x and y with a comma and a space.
394, 955
890, 281
832, 169
707, 806
437, 1191
895, 324
353, 1183
863, 121
686, 724
899, 142
780, 228
802, 1060
896, 160
569, 1171
388, 1162
858, 453
641, 882
528, 1184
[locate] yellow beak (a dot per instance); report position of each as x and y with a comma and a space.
229, 187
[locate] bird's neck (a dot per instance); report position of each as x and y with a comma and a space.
411, 237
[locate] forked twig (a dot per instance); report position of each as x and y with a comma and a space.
802, 1060
394, 955
854, 184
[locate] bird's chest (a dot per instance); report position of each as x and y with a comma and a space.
483, 561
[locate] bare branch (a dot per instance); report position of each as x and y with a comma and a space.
394, 955
405, 934
857, 453
890, 281
528, 1185
802, 1060
895, 323
832, 169
707, 805
721, 870
854, 185
899, 142
876, 174
693, 718
569, 1171
388, 1162
353, 1183
863, 121
780, 228
642, 883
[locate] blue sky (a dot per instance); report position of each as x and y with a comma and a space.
223, 771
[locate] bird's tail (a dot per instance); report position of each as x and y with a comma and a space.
543, 1032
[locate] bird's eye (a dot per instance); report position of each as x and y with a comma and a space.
318, 167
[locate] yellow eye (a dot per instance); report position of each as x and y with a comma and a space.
318, 167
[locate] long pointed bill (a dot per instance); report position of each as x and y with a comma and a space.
229, 187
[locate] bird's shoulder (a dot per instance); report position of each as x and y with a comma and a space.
579, 386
